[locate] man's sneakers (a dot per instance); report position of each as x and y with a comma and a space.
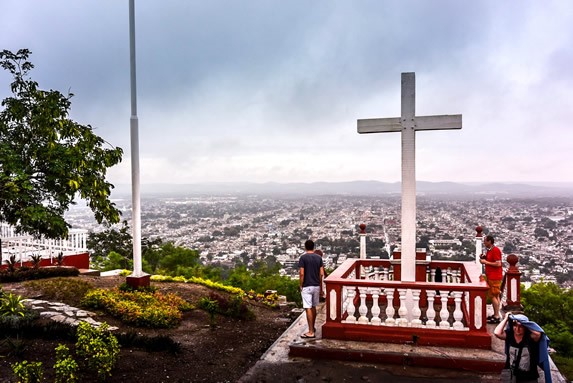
493, 320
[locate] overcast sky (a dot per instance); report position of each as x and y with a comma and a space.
270, 90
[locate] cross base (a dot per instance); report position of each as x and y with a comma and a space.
421, 265
137, 282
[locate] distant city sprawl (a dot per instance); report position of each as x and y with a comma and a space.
228, 230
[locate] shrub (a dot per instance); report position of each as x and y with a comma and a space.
124, 273
28, 372
98, 348
12, 305
139, 308
199, 281
16, 346
36, 259
12, 262
66, 367
233, 307
211, 306
25, 273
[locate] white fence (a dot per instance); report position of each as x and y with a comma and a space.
24, 246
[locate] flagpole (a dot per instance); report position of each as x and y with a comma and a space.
134, 130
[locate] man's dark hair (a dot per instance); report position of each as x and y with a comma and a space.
490, 238
309, 245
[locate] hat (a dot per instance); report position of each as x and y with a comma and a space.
519, 317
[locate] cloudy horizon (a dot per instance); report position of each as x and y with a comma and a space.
271, 91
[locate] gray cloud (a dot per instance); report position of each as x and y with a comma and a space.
246, 90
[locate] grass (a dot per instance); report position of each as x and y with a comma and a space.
61, 289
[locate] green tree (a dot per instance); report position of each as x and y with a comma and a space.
115, 261
46, 159
111, 239
552, 308
176, 257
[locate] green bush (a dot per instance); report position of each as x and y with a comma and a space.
552, 308
211, 306
233, 306
98, 348
248, 280
12, 305
139, 308
66, 367
28, 372
26, 274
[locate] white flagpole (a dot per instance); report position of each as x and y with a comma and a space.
135, 192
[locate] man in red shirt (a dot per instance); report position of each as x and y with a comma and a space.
494, 275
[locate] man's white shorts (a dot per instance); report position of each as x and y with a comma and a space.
310, 296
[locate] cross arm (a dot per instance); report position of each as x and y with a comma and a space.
379, 125
452, 121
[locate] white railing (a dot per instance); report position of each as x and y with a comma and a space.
365, 301
437, 313
24, 246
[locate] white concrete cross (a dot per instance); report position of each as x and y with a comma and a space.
408, 123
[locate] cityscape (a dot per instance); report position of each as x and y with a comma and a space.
231, 229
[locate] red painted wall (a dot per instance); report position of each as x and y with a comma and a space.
80, 261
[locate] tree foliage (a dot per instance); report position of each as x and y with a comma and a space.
111, 239
174, 258
118, 241
552, 308
46, 158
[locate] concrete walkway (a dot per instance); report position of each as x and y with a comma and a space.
345, 361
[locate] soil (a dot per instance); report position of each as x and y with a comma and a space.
206, 354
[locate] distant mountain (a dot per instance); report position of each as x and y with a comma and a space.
347, 188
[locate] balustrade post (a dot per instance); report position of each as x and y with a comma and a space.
403, 310
444, 313
351, 309
458, 314
362, 241
479, 245
430, 312
416, 312
390, 311
376, 321
344, 297
376, 273
363, 310
513, 285
432, 275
